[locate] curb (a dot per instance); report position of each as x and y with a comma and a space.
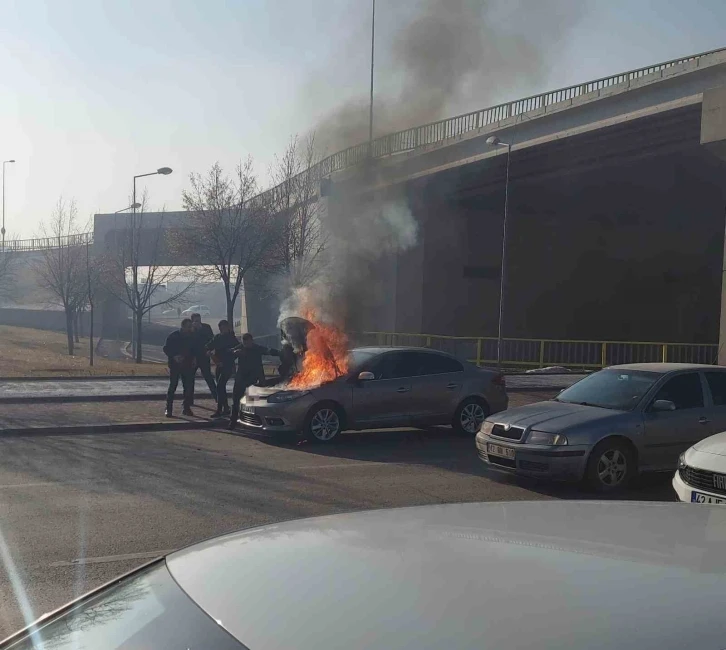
126, 351
130, 427
77, 399
84, 378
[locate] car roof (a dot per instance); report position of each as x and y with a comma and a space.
451, 576
380, 349
663, 368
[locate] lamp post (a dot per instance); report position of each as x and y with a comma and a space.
5, 162
494, 141
131, 207
373, 52
164, 171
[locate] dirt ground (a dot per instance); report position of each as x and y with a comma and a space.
27, 352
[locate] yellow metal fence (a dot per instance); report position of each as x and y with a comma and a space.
541, 353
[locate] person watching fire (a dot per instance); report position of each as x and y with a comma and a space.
250, 371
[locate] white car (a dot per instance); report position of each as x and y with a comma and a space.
202, 310
701, 475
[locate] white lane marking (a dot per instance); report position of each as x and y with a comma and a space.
22, 485
149, 555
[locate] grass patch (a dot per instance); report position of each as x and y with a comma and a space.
28, 352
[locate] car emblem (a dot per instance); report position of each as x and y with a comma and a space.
507, 427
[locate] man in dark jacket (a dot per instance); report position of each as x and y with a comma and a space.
220, 348
179, 350
203, 334
250, 371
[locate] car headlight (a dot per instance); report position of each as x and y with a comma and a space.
286, 396
682, 461
542, 438
486, 428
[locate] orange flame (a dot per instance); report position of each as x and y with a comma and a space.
326, 358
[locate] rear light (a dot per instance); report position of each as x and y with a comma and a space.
500, 380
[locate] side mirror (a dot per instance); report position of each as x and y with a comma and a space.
663, 405
366, 376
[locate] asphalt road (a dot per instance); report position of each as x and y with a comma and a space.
78, 510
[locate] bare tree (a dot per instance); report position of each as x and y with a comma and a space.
131, 271
301, 237
61, 270
227, 232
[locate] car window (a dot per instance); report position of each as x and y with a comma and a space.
437, 364
611, 388
685, 391
396, 365
717, 384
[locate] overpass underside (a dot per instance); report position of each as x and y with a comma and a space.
613, 234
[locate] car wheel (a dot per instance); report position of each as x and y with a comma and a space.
611, 466
324, 423
470, 416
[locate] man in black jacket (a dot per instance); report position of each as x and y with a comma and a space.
220, 348
203, 334
180, 350
250, 371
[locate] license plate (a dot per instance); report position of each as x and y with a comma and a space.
247, 409
700, 497
498, 450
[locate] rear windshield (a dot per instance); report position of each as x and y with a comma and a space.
147, 610
615, 389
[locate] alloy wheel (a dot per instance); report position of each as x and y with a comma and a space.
612, 467
325, 424
471, 418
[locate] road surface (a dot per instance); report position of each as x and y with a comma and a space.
78, 510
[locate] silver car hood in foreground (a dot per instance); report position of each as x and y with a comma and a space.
560, 575
556, 417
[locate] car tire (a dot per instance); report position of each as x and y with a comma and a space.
611, 466
323, 423
469, 416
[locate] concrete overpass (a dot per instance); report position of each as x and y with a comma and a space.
617, 211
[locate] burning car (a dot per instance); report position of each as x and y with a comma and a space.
373, 387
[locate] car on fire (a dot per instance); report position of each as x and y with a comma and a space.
611, 425
383, 387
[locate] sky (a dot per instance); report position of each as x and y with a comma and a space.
93, 92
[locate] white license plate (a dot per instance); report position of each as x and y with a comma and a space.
247, 409
700, 497
498, 450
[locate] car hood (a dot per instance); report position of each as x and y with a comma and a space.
555, 417
468, 576
713, 445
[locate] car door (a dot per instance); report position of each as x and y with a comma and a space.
668, 433
435, 392
716, 382
385, 400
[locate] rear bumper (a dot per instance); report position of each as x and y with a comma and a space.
562, 463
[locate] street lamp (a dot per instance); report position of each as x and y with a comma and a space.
373, 52
494, 141
164, 171
131, 207
5, 162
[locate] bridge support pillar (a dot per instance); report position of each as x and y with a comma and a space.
713, 137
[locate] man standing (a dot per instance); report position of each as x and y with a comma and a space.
179, 350
203, 334
249, 371
220, 348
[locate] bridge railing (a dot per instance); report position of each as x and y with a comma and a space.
442, 130
542, 353
45, 243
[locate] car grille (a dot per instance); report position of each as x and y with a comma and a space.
250, 419
514, 433
504, 462
701, 478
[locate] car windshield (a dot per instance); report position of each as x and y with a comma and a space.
358, 357
611, 389
147, 610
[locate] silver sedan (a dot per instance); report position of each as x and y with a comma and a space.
611, 425
385, 388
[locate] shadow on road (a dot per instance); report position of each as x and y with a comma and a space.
441, 447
